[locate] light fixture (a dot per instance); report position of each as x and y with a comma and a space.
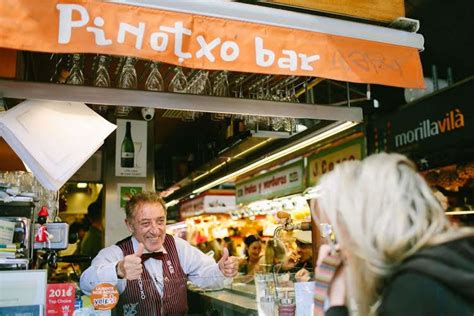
81, 185
460, 212
321, 134
172, 203
230, 159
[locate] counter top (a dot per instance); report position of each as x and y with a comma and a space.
228, 300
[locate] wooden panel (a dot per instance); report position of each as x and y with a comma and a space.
9, 161
377, 10
7, 63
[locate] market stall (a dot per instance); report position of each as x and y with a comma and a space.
217, 42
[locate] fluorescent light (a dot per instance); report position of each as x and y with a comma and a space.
460, 212
229, 159
200, 176
172, 203
322, 134
81, 185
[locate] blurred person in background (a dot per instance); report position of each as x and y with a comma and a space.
228, 243
275, 256
398, 253
77, 231
215, 249
304, 250
92, 242
253, 250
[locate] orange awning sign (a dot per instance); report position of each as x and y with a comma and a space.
199, 41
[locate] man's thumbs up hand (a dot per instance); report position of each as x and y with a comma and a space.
228, 264
131, 267
139, 251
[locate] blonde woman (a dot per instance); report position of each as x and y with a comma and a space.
401, 256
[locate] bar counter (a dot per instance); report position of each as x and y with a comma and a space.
221, 302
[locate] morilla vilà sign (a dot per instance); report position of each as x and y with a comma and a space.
440, 122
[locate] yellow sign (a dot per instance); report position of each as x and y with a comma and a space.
326, 160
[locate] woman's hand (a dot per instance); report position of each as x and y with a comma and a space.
302, 275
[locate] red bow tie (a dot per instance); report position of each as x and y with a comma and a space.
154, 255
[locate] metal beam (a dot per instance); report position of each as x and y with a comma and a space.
175, 101
287, 19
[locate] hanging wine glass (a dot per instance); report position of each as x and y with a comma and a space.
200, 83
188, 116
154, 82
128, 75
127, 80
76, 77
101, 76
292, 95
60, 74
221, 85
179, 82
260, 93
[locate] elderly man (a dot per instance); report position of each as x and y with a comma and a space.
151, 267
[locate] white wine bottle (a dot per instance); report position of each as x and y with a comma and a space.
128, 149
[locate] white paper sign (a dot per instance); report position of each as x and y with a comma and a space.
304, 295
7, 229
54, 139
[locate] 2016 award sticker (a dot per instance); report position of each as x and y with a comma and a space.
104, 296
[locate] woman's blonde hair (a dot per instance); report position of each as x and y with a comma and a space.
382, 212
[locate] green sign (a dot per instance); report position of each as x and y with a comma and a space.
127, 191
325, 160
280, 182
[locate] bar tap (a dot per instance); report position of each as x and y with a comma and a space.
286, 223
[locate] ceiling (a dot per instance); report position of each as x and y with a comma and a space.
449, 42
185, 147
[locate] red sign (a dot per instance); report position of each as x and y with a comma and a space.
60, 299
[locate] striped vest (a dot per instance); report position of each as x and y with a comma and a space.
141, 297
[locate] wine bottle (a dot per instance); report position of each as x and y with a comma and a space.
128, 149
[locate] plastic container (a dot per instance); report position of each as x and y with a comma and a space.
287, 307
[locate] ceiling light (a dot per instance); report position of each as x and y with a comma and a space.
81, 185
229, 159
322, 134
200, 176
460, 212
172, 203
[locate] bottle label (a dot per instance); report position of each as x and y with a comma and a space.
127, 155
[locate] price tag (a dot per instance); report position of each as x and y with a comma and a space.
60, 299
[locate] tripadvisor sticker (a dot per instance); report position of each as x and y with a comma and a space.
104, 296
